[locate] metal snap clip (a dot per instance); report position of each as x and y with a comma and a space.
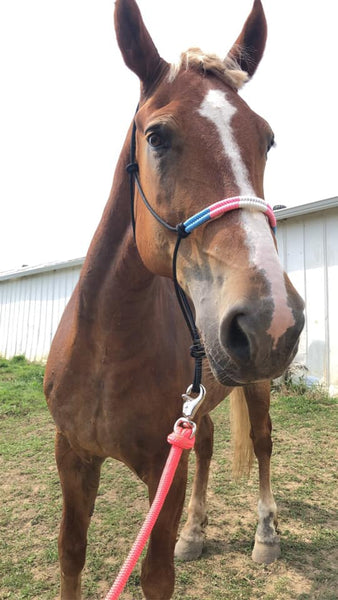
191, 405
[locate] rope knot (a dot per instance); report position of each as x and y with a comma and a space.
197, 350
132, 168
182, 438
181, 231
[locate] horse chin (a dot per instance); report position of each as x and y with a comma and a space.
223, 369
229, 373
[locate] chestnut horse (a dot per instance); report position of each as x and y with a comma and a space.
119, 361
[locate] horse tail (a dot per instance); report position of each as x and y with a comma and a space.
240, 433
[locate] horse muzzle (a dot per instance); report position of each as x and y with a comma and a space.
244, 351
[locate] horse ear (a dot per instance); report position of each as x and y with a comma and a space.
248, 49
137, 47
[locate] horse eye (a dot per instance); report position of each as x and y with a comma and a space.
271, 144
155, 140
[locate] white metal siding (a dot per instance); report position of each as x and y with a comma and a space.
30, 310
308, 247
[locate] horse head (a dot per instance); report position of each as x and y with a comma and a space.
198, 142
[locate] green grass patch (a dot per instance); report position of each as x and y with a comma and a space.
304, 480
20, 387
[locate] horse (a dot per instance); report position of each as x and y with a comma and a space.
120, 357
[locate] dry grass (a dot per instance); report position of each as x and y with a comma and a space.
304, 481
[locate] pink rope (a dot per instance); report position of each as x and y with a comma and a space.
181, 439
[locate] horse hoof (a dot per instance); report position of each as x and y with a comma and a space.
187, 550
266, 553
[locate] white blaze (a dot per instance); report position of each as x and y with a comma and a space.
263, 256
217, 108
262, 253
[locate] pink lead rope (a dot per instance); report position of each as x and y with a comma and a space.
182, 438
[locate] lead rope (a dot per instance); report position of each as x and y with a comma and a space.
182, 438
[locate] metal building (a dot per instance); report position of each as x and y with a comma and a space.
308, 247
32, 300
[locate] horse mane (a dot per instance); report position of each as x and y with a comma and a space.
228, 70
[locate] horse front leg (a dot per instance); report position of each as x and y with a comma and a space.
190, 543
158, 574
79, 482
267, 542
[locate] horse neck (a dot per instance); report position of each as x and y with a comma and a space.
118, 305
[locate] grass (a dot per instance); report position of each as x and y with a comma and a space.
304, 481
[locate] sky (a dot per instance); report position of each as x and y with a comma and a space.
67, 100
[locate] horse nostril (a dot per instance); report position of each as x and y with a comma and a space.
234, 337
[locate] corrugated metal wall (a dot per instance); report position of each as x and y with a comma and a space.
308, 247
32, 301
30, 310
